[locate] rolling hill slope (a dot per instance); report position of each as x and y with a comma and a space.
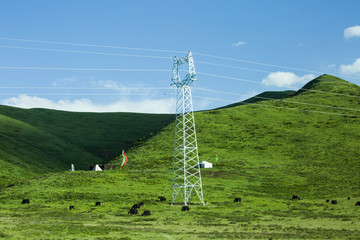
290, 145
34, 141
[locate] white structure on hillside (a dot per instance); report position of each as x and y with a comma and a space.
96, 168
204, 164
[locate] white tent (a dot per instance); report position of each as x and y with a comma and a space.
96, 168
204, 164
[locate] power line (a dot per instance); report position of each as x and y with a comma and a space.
85, 52
87, 69
83, 94
298, 109
252, 81
172, 51
262, 64
282, 100
235, 67
93, 45
91, 88
156, 70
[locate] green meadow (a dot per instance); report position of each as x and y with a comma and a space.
268, 150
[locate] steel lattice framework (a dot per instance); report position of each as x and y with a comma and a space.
186, 169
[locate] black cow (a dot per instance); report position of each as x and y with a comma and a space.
237, 199
135, 206
25, 201
348, 198
185, 208
357, 204
146, 213
72, 208
97, 203
162, 198
295, 197
327, 200
333, 201
133, 211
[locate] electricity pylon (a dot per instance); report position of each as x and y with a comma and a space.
186, 170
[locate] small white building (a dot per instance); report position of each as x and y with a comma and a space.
96, 168
204, 164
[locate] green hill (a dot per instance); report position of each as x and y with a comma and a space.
34, 141
305, 144
283, 145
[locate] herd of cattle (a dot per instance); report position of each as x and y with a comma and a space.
297, 197
135, 207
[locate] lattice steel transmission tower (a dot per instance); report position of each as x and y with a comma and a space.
186, 170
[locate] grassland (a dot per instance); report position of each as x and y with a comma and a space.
266, 154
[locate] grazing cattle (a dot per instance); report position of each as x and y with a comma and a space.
97, 203
357, 204
185, 208
333, 201
348, 198
295, 197
135, 206
327, 200
146, 213
27, 201
162, 198
72, 208
133, 211
237, 199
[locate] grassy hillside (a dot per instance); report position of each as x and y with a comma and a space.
284, 146
101, 134
267, 152
34, 141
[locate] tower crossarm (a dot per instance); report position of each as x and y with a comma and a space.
191, 74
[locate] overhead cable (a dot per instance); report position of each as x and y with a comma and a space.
172, 51
298, 109
87, 69
85, 52
93, 45
281, 100
252, 81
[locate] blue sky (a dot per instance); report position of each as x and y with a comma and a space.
241, 48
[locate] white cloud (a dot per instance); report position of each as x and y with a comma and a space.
104, 84
352, 32
65, 81
351, 68
286, 79
239, 43
86, 105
